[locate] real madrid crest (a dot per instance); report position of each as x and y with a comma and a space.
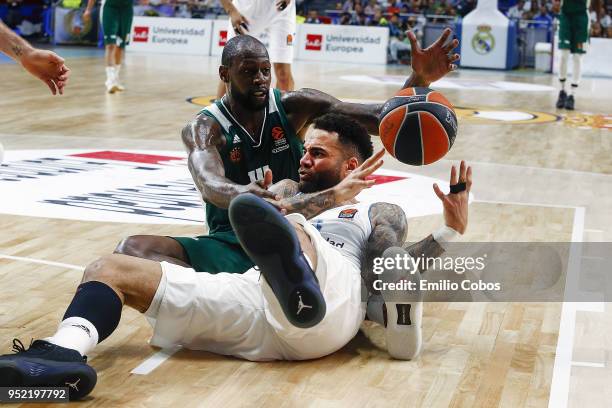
483, 41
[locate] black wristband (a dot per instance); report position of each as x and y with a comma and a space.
457, 188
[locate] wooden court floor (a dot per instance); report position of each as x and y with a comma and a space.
549, 182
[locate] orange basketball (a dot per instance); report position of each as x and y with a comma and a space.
418, 126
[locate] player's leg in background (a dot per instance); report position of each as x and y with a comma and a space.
281, 49
580, 38
125, 26
110, 27
284, 77
564, 48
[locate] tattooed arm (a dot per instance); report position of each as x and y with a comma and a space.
203, 139
43, 64
312, 204
389, 228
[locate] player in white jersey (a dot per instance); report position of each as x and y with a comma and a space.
256, 18
310, 301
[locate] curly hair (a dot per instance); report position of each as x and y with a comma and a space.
350, 133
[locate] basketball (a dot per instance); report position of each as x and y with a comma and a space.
418, 126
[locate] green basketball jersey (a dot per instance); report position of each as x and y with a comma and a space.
245, 161
574, 6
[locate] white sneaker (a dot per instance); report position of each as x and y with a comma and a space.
111, 86
403, 323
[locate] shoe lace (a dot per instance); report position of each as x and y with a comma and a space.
18, 346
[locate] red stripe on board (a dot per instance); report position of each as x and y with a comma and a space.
127, 157
385, 179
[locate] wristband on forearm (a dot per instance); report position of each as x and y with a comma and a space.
445, 235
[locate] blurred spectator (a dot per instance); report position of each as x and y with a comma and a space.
465, 6
378, 19
396, 37
596, 30
348, 5
313, 17
516, 11
543, 17
13, 16
370, 8
345, 18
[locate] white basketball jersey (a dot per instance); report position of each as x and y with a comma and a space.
347, 228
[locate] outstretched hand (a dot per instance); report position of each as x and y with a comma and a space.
48, 67
357, 180
435, 61
456, 204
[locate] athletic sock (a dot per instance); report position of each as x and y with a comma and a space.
117, 69
573, 89
576, 68
91, 317
563, 64
76, 333
110, 73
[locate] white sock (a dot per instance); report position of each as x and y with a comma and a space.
117, 69
563, 65
110, 73
573, 89
576, 68
77, 334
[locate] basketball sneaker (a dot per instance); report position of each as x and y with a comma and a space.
45, 364
569, 103
400, 314
272, 243
111, 86
561, 99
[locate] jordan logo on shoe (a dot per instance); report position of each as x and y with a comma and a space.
74, 384
302, 305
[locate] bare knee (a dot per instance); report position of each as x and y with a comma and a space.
284, 79
105, 269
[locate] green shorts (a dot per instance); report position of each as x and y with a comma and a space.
574, 32
117, 22
217, 252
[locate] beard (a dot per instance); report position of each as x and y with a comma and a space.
249, 101
319, 182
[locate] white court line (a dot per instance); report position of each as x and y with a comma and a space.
543, 169
528, 204
43, 262
587, 364
562, 368
155, 360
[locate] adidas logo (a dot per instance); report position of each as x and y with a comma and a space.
237, 139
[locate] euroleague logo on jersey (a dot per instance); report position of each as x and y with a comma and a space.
235, 155
280, 141
348, 213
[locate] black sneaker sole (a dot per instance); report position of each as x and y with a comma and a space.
32, 372
272, 244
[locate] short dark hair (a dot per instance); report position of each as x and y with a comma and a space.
350, 133
237, 46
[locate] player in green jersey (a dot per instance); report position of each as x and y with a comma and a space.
116, 17
249, 139
573, 39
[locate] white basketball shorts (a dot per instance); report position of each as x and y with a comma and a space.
239, 315
276, 29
